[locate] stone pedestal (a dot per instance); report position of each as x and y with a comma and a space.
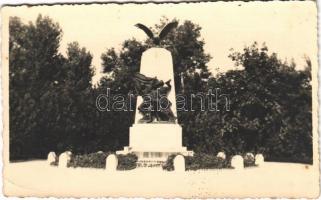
155, 141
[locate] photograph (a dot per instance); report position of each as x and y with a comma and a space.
160, 99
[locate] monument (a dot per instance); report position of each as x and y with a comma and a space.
155, 134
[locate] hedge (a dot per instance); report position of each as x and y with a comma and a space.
205, 161
98, 160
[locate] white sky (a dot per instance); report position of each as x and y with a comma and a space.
287, 28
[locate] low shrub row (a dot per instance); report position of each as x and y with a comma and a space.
169, 164
198, 161
98, 160
55, 163
127, 162
92, 160
206, 161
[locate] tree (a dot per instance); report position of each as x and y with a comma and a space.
51, 97
34, 66
53, 102
76, 104
271, 106
120, 66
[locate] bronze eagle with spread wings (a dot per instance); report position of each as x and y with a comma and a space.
162, 34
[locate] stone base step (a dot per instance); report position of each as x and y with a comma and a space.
144, 163
154, 156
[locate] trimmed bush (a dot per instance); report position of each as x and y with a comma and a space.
98, 160
127, 162
54, 163
92, 160
249, 160
169, 163
198, 161
205, 161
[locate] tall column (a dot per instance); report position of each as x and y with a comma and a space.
158, 62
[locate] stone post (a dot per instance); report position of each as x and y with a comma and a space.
64, 159
259, 159
51, 158
179, 163
237, 162
111, 162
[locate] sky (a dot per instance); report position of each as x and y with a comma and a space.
287, 28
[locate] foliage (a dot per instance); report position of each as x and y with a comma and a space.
55, 163
126, 162
51, 96
270, 110
98, 160
249, 160
169, 163
198, 161
205, 161
35, 66
92, 160
52, 99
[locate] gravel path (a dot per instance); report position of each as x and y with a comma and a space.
36, 178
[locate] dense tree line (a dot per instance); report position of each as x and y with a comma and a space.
52, 97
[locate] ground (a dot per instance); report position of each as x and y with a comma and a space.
271, 180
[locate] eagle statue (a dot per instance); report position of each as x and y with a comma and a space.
156, 39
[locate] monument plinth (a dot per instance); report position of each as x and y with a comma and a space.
157, 62
156, 140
